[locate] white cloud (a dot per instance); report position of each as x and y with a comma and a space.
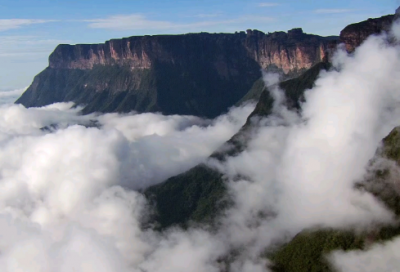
133, 21
332, 11
380, 257
299, 170
67, 190
208, 15
268, 4
27, 47
7, 24
9, 96
140, 22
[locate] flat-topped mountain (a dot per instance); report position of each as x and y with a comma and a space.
199, 74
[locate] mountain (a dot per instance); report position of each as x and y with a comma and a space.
201, 179
198, 74
199, 195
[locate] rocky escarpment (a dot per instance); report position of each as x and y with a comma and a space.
200, 74
291, 51
353, 35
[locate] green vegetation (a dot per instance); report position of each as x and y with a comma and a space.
294, 91
254, 93
107, 88
391, 145
295, 88
199, 195
196, 196
306, 251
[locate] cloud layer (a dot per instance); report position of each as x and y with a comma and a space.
7, 24
140, 22
69, 197
332, 11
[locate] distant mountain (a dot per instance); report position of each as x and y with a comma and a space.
198, 74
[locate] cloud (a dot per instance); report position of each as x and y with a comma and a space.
140, 22
133, 21
380, 257
69, 188
268, 4
208, 15
7, 24
299, 169
27, 47
69, 195
170, 144
332, 11
9, 96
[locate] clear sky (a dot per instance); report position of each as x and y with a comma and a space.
31, 29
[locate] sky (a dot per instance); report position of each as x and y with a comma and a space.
69, 198
31, 29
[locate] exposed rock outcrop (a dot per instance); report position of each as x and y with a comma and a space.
200, 74
289, 51
353, 35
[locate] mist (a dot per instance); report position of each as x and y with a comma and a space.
70, 184
9, 96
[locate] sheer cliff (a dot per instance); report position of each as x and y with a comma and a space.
200, 74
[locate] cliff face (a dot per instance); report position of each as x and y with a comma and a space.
290, 51
200, 74
353, 35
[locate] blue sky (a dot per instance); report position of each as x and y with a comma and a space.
31, 29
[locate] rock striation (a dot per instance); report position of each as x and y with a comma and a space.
199, 74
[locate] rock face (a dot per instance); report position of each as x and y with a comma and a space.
201, 74
353, 35
289, 51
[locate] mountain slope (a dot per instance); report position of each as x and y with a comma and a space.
194, 196
307, 250
199, 194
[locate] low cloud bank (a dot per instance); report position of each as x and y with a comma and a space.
9, 96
